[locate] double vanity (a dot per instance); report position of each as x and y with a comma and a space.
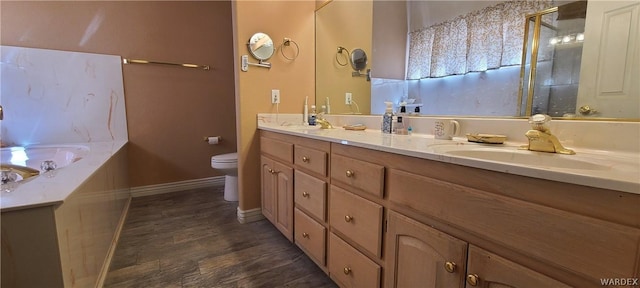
381, 210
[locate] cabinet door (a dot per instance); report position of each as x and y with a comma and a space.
420, 256
267, 189
284, 199
486, 269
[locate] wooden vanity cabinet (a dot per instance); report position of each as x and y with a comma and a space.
356, 214
276, 162
485, 269
420, 256
277, 195
297, 208
311, 158
370, 218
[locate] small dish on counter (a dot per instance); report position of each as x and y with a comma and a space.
355, 127
486, 138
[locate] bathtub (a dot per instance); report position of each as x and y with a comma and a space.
34, 156
76, 162
62, 225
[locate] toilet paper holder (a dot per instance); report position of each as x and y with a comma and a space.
212, 139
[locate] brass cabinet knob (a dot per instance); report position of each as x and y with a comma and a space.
348, 218
305, 159
473, 279
305, 194
271, 171
350, 173
450, 266
347, 270
305, 235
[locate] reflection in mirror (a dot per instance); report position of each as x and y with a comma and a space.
551, 67
358, 59
342, 56
492, 92
336, 26
261, 46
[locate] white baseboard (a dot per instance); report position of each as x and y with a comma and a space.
216, 181
251, 215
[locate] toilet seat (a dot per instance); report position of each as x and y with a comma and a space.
225, 158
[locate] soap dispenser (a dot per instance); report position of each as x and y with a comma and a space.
312, 116
387, 118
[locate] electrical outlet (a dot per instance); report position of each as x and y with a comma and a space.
275, 96
347, 98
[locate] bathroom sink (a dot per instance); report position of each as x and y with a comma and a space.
530, 158
513, 155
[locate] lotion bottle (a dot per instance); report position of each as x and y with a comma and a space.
387, 118
305, 111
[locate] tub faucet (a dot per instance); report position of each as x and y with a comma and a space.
541, 139
324, 124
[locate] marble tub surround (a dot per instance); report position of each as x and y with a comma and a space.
619, 162
66, 243
44, 190
53, 97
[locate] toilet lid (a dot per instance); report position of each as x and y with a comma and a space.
225, 158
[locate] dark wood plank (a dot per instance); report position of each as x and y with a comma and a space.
193, 239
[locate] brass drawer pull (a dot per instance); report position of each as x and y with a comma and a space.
305, 235
348, 218
347, 270
305, 159
305, 194
450, 267
271, 171
350, 173
473, 279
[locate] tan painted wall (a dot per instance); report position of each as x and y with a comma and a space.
295, 79
169, 109
347, 24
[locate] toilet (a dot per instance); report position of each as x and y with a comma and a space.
228, 164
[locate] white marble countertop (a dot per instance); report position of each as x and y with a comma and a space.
42, 190
613, 170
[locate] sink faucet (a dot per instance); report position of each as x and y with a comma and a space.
541, 139
324, 124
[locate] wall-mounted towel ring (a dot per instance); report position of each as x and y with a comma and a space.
345, 56
287, 43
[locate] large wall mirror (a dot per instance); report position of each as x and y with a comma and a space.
590, 78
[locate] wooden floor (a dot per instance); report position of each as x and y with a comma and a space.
193, 239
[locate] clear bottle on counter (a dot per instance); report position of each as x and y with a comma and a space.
387, 119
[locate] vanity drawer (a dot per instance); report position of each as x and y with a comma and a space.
357, 218
311, 159
588, 247
276, 148
359, 174
311, 194
349, 267
311, 236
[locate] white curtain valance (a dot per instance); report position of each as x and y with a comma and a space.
478, 41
